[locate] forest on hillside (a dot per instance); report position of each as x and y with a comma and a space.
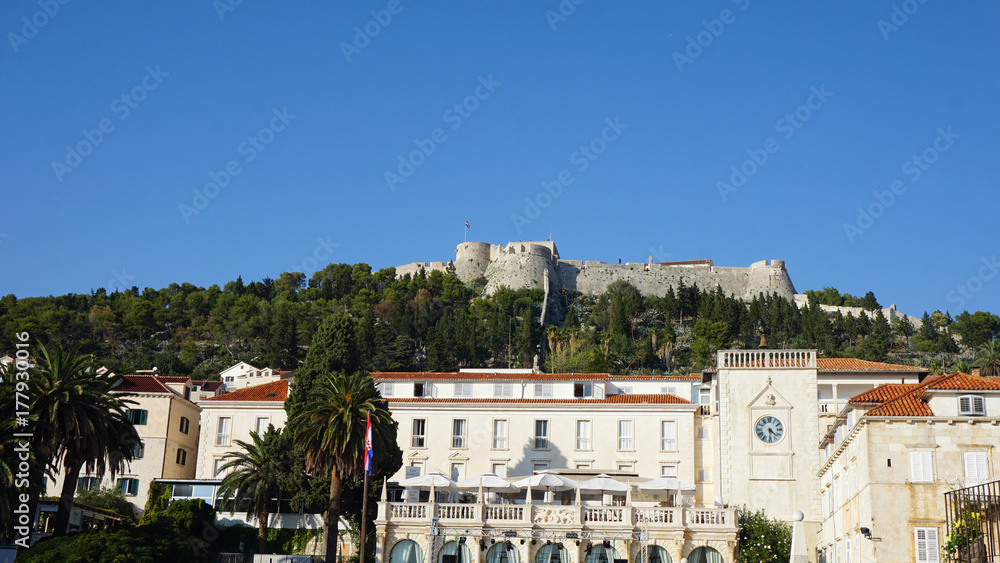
434, 322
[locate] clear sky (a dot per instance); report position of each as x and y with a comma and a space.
739, 131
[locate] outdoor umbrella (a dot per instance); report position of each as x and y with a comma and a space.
551, 480
488, 482
603, 482
666, 484
431, 480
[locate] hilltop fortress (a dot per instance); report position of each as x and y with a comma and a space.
537, 265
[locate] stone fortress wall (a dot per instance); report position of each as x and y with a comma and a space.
524, 264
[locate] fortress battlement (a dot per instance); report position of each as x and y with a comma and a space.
533, 264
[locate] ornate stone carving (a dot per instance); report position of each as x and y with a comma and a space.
553, 516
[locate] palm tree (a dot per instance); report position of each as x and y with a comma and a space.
80, 424
988, 358
252, 476
331, 429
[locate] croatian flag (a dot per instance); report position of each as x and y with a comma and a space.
466, 224
369, 451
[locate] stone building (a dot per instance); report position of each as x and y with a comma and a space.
892, 454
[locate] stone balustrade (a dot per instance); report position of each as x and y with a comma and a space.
766, 359
555, 516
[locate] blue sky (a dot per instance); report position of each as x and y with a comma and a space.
309, 117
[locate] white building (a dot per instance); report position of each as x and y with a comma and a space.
167, 424
516, 422
232, 416
892, 454
243, 375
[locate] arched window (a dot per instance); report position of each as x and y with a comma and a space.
657, 554
460, 550
705, 555
601, 553
552, 553
503, 552
406, 551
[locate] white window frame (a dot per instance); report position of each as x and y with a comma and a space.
668, 435
668, 390
584, 439
257, 423
500, 433
224, 438
922, 467
978, 462
668, 470
499, 464
626, 435
971, 405
541, 441
418, 439
459, 429
929, 544
463, 389
543, 390
537, 466
586, 390
626, 466
503, 390
386, 388
217, 463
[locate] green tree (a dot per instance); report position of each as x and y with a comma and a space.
869, 302
252, 478
108, 499
331, 429
903, 327
878, 342
760, 539
976, 329
334, 348
988, 358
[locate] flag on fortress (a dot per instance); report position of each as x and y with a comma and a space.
369, 451
466, 224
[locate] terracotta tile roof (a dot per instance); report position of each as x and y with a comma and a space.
630, 399
451, 376
206, 385
908, 400
854, 364
142, 384
274, 391
173, 378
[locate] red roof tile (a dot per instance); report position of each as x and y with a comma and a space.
274, 391
493, 376
854, 364
173, 378
908, 400
630, 399
207, 385
142, 384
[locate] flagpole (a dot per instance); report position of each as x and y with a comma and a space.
364, 503
364, 520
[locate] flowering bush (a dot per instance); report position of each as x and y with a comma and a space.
964, 532
761, 539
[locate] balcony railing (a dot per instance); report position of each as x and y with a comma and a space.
556, 516
831, 407
770, 359
222, 439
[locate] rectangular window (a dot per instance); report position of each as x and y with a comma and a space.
499, 469
704, 474
139, 451
457, 471
847, 551
225, 427
625, 389
543, 390
185, 425
541, 434
503, 390
539, 466
854, 479
87, 483
128, 486
458, 433
628, 467
137, 416
977, 470
972, 405
625, 435
922, 467
703, 434
217, 464
419, 433
418, 389
583, 434
583, 465
262, 423
499, 434
668, 435
583, 390
926, 544
386, 389
671, 390
668, 470
463, 389
835, 491
181, 456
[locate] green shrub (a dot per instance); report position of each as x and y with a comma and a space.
150, 543
761, 539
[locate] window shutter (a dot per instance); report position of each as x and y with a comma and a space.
979, 405
964, 404
142, 416
928, 459
916, 467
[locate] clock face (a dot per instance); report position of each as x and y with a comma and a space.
769, 429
